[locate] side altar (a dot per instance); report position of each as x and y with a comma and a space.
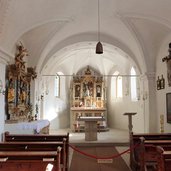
88, 99
18, 86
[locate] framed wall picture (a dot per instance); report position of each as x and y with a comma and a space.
77, 90
158, 84
162, 82
98, 90
168, 107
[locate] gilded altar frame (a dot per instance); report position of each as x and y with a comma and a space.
88, 97
18, 81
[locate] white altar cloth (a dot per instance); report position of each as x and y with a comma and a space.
26, 127
91, 118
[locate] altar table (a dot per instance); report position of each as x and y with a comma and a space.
91, 127
86, 112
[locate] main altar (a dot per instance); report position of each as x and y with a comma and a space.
88, 99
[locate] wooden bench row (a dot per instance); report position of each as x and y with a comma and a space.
146, 155
24, 152
30, 160
164, 159
36, 137
150, 155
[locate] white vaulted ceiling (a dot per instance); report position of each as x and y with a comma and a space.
62, 33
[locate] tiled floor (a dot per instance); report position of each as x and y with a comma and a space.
111, 136
120, 138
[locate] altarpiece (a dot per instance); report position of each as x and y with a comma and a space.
88, 98
18, 82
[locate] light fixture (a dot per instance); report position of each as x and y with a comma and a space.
99, 46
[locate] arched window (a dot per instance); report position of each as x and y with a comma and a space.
57, 86
116, 85
119, 87
133, 84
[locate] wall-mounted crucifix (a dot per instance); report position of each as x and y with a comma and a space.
168, 61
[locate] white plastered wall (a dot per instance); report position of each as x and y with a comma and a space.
161, 94
2, 99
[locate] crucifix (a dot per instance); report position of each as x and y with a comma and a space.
168, 61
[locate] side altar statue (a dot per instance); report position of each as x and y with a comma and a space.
18, 85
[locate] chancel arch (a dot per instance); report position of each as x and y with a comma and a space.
71, 59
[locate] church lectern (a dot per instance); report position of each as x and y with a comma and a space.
91, 127
130, 126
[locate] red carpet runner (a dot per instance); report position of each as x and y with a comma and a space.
81, 162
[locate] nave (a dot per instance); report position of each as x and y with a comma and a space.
106, 145
121, 150
111, 136
142, 152
49, 70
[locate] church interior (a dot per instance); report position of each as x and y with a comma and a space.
98, 70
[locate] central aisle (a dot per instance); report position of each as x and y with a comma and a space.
111, 136
84, 163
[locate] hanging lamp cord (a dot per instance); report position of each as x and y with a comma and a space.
98, 21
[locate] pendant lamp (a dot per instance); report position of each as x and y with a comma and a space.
99, 46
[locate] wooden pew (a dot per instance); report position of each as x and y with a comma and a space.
30, 146
137, 152
30, 160
148, 153
42, 147
34, 137
43, 138
135, 138
163, 159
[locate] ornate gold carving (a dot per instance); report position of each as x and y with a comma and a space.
18, 86
87, 89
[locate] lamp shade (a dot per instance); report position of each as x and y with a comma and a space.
99, 48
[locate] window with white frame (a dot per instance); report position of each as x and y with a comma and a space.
116, 85
57, 85
119, 87
133, 84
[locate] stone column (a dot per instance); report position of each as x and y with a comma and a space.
4, 59
151, 94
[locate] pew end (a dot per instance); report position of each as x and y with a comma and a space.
144, 156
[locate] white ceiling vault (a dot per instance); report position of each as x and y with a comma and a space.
61, 35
